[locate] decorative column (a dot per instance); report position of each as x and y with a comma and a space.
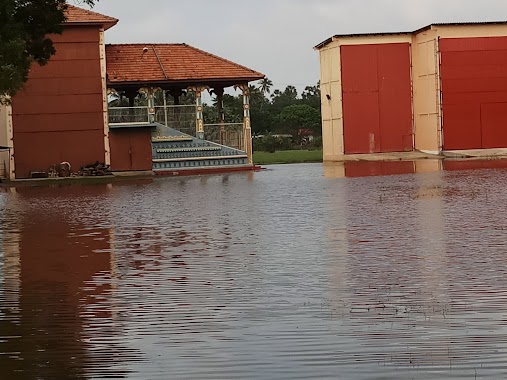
199, 114
221, 115
151, 104
150, 95
247, 128
165, 108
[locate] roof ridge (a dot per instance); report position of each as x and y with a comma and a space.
160, 62
76, 15
89, 11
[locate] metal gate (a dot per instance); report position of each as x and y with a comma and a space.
377, 98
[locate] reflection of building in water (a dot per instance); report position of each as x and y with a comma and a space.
387, 244
353, 169
50, 261
9, 259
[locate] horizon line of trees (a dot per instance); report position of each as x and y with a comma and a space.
277, 114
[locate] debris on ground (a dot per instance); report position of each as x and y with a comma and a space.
97, 169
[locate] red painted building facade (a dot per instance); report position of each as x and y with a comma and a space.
474, 92
59, 115
377, 98
440, 88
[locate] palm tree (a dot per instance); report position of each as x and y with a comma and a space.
265, 85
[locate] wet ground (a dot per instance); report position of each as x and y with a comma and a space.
356, 271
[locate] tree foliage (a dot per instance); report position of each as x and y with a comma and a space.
25, 26
282, 112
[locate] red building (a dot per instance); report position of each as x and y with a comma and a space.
62, 113
440, 88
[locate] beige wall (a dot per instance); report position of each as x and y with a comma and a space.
426, 92
6, 159
103, 73
426, 84
331, 101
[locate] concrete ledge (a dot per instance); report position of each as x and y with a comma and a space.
77, 180
130, 174
496, 153
483, 154
207, 170
396, 156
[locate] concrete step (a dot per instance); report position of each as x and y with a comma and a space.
172, 164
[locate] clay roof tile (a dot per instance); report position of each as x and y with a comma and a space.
171, 63
76, 15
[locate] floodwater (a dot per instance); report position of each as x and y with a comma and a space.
298, 272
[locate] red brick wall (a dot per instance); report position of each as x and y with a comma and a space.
58, 115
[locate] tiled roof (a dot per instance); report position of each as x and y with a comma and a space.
171, 63
76, 15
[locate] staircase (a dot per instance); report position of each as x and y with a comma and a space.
174, 151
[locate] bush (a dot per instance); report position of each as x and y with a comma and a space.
315, 144
271, 143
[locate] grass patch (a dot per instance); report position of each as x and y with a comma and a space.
287, 157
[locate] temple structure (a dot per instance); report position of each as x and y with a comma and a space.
121, 105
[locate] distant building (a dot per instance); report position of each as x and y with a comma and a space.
442, 87
63, 112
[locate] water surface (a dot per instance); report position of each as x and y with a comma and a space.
298, 272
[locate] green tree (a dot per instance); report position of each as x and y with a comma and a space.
280, 100
311, 96
264, 86
24, 29
297, 117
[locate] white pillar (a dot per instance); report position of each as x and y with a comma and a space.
247, 128
7, 140
105, 105
199, 114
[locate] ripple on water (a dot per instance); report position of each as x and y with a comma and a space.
277, 274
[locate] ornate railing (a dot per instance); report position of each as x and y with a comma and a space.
228, 134
181, 118
128, 115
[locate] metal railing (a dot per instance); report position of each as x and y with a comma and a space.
181, 118
228, 134
128, 115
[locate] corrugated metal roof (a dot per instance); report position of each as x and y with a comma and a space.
329, 40
145, 63
76, 15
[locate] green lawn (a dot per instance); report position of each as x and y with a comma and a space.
287, 157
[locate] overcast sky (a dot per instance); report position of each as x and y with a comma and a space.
276, 37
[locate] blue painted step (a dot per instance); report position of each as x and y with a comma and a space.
172, 149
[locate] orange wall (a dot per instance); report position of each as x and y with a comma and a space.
131, 149
58, 116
